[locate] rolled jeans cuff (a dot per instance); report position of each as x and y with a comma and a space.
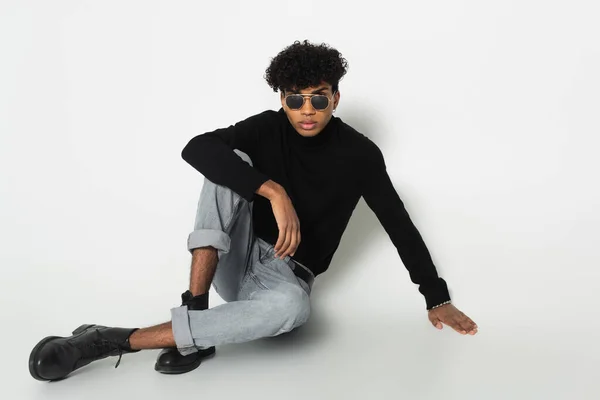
180, 322
209, 237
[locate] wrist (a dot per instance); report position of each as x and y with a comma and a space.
271, 190
440, 305
277, 194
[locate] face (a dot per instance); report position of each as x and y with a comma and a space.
318, 118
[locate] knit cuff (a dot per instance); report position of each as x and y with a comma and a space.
435, 293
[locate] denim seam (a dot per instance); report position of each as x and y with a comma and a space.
233, 214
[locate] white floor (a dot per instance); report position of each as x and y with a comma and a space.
368, 336
332, 357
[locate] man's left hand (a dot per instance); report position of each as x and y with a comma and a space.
454, 318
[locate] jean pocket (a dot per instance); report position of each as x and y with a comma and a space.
266, 256
257, 281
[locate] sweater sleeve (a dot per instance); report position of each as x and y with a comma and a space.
212, 154
381, 196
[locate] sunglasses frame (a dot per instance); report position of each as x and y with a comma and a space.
304, 96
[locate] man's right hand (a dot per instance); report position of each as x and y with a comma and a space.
285, 215
288, 224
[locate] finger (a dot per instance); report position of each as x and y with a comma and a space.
286, 244
473, 324
467, 323
280, 239
436, 322
465, 326
455, 324
469, 320
294, 243
299, 236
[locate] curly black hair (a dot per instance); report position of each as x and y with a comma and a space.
303, 65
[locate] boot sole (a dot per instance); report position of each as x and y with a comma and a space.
33, 358
204, 354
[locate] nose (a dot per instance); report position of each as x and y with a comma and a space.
307, 107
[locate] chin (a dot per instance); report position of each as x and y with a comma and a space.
308, 133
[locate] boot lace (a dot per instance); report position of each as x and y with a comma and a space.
102, 346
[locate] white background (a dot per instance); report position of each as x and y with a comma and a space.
487, 115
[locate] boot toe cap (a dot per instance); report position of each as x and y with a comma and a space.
47, 362
172, 358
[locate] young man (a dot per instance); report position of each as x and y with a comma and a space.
279, 190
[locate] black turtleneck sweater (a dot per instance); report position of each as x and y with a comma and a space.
325, 177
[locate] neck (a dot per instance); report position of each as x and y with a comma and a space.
309, 141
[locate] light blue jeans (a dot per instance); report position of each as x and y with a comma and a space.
264, 297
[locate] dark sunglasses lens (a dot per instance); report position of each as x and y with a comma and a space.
294, 101
319, 102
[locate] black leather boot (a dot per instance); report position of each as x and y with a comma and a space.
55, 357
170, 361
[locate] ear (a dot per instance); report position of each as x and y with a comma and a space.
336, 99
282, 98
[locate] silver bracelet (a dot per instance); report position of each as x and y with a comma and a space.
439, 305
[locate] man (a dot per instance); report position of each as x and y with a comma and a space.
279, 190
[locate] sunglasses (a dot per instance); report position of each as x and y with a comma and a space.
296, 101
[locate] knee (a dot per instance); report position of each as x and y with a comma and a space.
293, 308
243, 156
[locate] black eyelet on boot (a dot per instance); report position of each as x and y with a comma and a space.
169, 360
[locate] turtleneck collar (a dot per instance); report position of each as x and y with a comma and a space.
320, 139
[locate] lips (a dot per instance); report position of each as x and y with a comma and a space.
308, 124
